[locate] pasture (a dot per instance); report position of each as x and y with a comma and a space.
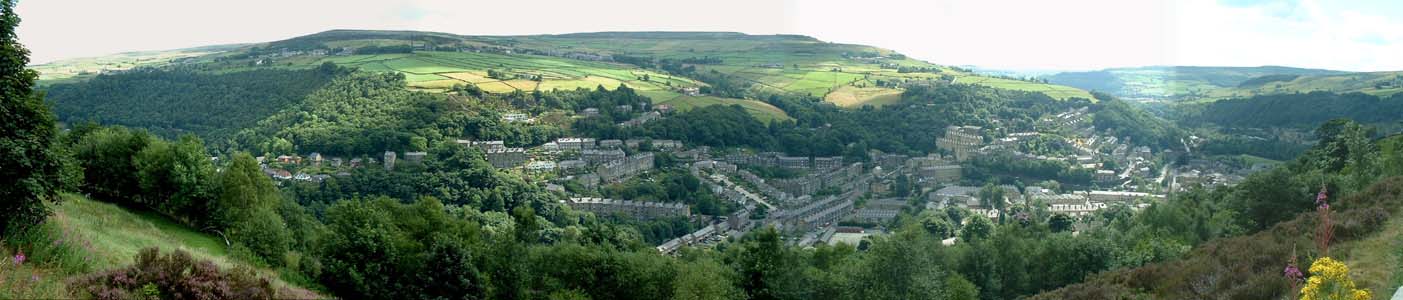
854, 97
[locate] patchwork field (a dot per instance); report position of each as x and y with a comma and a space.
790, 64
438, 71
441, 70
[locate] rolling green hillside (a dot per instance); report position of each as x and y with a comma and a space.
1181, 83
69, 70
437, 61
1381, 84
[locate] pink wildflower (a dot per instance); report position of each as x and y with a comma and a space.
19, 258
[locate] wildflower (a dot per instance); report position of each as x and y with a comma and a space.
1293, 273
1330, 280
19, 258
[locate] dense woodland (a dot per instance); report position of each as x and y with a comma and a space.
1296, 110
174, 102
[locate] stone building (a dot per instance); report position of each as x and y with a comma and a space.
598, 156
636, 209
961, 141
506, 157
623, 168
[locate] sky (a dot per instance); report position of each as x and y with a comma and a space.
1027, 35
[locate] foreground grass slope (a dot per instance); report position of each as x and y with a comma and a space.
109, 237
1367, 238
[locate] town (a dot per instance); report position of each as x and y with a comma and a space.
828, 199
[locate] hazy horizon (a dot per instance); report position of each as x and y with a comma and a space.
1088, 35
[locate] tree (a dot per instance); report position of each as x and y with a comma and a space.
30, 169
360, 255
244, 191
959, 288
978, 229
106, 158
936, 225
247, 210
767, 269
899, 267
1060, 223
705, 280
177, 179
992, 196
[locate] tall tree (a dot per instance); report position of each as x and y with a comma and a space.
244, 191
29, 166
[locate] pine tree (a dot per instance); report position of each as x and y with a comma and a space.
29, 167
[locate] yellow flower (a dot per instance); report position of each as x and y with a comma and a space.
1330, 280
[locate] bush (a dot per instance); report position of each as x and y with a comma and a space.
174, 276
265, 235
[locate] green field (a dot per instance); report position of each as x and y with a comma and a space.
1055, 91
440, 70
851, 96
1381, 84
760, 110
78, 68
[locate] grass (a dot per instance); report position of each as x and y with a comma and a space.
119, 234
1376, 262
1055, 91
853, 97
81, 68
760, 110
110, 237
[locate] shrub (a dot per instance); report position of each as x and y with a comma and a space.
174, 276
265, 235
1330, 280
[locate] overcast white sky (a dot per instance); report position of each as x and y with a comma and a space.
1356, 35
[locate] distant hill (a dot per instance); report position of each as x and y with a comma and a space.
1184, 82
661, 65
